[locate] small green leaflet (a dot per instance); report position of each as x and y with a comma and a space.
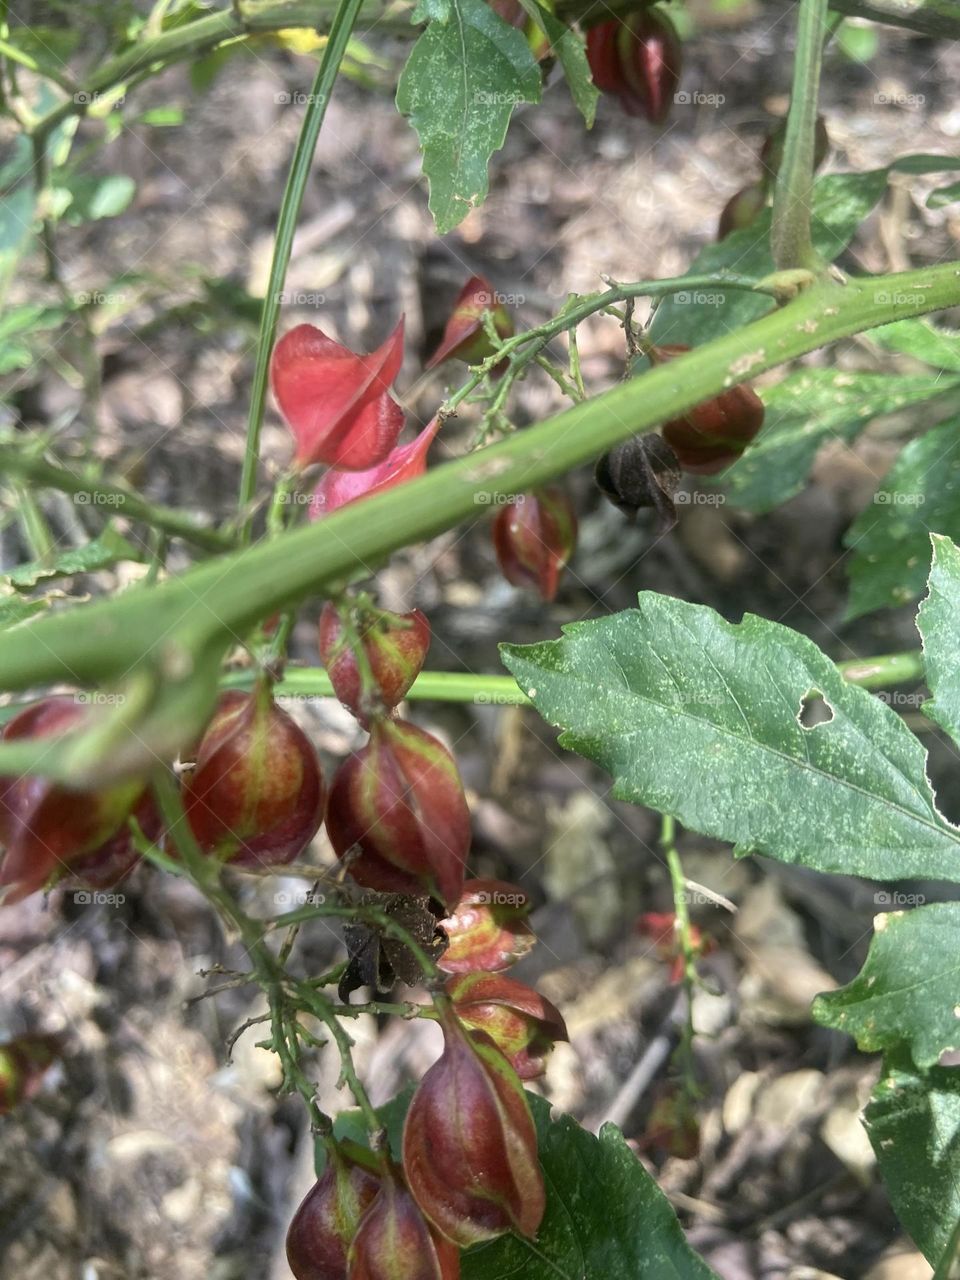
939, 625
908, 991
890, 539
809, 408
939, 348
698, 718
100, 553
913, 1122
569, 47
462, 80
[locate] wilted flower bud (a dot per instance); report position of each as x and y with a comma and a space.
338, 488
742, 209
256, 793
337, 403
465, 337
397, 812
324, 1226
523, 1024
395, 645
395, 1242
487, 929
469, 1143
23, 1064
711, 436
638, 59
534, 536
639, 473
45, 828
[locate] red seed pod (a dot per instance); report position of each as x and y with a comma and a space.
395, 1242
637, 59
742, 209
522, 1023
464, 337
405, 462
337, 403
398, 810
114, 860
534, 536
23, 1064
711, 436
44, 827
255, 795
469, 1143
324, 1226
395, 645
488, 929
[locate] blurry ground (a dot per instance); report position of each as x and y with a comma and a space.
149, 1156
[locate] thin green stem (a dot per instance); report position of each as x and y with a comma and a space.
790, 239
948, 1267
688, 950
340, 32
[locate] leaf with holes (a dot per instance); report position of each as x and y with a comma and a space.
462, 80
908, 991
699, 719
811, 408
890, 539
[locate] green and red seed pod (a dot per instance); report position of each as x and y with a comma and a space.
397, 814
638, 60
255, 794
395, 648
465, 336
324, 1226
534, 536
394, 1241
469, 1143
46, 828
522, 1023
711, 436
488, 929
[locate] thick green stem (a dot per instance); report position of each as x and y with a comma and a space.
790, 240
175, 632
340, 32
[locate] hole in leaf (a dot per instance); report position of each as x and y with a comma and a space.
814, 710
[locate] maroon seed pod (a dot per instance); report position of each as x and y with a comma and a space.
711, 436
469, 1143
324, 1226
522, 1023
742, 209
394, 1241
650, 60
398, 815
465, 337
487, 930
534, 536
771, 153
255, 795
395, 645
44, 827
114, 860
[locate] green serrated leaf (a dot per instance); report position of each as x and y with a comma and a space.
841, 201
569, 47
913, 1122
808, 409
908, 991
461, 82
939, 348
14, 609
890, 540
108, 549
699, 719
938, 622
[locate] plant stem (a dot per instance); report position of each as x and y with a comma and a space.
883, 670
790, 240
340, 31
197, 613
688, 949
